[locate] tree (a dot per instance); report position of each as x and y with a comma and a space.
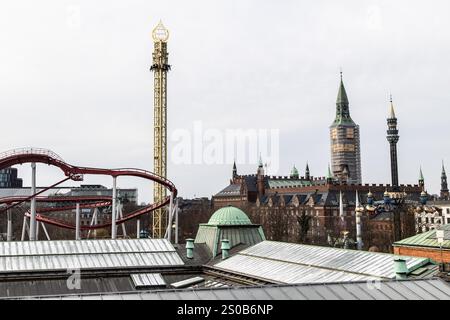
304, 224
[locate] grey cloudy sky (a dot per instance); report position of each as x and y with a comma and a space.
74, 78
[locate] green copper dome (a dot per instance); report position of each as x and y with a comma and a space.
229, 216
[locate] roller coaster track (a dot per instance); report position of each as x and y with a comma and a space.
76, 173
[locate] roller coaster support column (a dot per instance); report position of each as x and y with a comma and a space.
37, 229
138, 228
176, 223
33, 203
169, 224
95, 222
120, 211
25, 228
113, 211
77, 222
45, 231
9, 226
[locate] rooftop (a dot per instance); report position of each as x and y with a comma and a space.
426, 239
281, 262
63, 255
430, 289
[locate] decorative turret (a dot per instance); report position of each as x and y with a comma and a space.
386, 197
329, 176
234, 170
358, 212
423, 197
370, 198
307, 176
294, 173
421, 179
260, 178
444, 186
393, 137
260, 166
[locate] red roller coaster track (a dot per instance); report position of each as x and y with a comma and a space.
75, 173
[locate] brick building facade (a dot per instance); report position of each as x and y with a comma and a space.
307, 210
426, 245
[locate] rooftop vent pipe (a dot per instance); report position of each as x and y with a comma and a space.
225, 248
189, 248
400, 269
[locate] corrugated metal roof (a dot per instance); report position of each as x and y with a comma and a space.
18, 256
231, 190
285, 183
284, 272
147, 280
430, 289
281, 262
427, 239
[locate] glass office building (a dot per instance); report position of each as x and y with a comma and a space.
8, 178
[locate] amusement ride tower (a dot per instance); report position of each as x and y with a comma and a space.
160, 67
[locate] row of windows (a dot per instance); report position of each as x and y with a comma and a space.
383, 227
432, 220
343, 147
310, 212
349, 133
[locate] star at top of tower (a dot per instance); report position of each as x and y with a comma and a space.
160, 33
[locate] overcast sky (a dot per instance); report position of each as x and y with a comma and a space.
74, 78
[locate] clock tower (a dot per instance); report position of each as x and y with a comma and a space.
345, 145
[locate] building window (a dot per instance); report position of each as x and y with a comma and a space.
349, 133
334, 133
345, 147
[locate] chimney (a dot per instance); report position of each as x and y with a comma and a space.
190, 248
400, 269
225, 248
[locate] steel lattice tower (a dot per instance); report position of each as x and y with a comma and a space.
160, 67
